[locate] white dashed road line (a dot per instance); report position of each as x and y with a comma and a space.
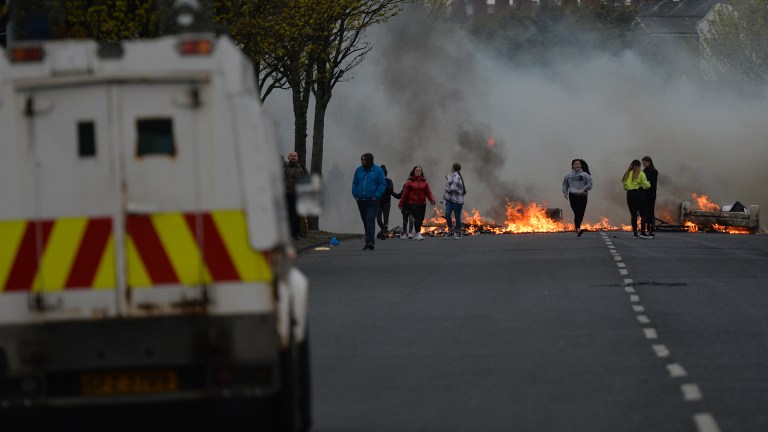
705, 422
676, 371
650, 333
691, 392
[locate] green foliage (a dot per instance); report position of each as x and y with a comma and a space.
110, 20
735, 41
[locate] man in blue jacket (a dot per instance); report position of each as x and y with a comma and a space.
368, 186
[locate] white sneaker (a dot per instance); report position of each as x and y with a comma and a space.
410, 235
419, 237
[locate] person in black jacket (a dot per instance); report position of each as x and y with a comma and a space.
292, 170
650, 196
382, 219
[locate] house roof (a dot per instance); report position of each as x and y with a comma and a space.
669, 17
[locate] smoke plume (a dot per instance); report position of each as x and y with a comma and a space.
429, 95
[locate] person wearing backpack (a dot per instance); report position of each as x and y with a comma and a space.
382, 218
454, 200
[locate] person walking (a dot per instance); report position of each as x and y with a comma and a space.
292, 170
650, 196
382, 218
576, 186
368, 185
454, 199
407, 220
634, 182
415, 195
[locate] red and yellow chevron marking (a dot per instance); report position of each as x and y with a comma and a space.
52, 255
163, 248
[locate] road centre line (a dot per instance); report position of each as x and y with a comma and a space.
661, 350
691, 392
676, 370
705, 422
650, 333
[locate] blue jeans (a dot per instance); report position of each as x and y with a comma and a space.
369, 208
455, 208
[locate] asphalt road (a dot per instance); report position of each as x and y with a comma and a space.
541, 332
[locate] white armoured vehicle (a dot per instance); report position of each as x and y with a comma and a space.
144, 253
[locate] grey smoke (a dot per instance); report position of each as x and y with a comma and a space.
429, 95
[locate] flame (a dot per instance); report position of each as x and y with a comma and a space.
731, 229
534, 218
704, 203
691, 227
519, 218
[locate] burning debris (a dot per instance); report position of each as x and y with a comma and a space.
519, 218
710, 217
535, 218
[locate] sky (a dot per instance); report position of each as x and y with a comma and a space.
429, 95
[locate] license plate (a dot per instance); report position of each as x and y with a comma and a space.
128, 382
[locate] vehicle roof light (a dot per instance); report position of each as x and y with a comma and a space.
196, 47
26, 54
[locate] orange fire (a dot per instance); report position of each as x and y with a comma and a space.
731, 229
519, 218
691, 227
704, 203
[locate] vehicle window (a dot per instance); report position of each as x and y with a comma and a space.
155, 137
86, 139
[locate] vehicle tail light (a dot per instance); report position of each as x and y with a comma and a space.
195, 47
26, 54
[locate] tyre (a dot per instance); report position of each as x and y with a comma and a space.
294, 399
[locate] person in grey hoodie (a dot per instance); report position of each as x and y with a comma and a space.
576, 186
368, 185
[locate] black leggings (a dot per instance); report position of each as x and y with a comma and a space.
636, 204
579, 206
382, 219
418, 212
650, 214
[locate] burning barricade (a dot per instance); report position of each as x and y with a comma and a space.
708, 216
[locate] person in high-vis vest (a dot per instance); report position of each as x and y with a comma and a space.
635, 182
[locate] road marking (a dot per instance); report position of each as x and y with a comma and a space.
628, 281
623, 272
621, 264
643, 319
634, 298
629, 289
638, 308
650, 333
676, 371
661, 350
691, 392
617, 257
705, 422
